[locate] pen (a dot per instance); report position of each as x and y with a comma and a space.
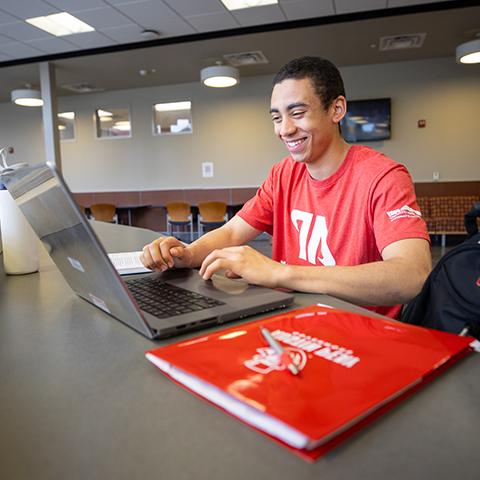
285, 358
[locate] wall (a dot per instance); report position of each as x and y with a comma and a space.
232, 128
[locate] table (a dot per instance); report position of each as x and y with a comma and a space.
129, 209
78, 400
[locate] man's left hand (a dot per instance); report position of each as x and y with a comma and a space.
244, 262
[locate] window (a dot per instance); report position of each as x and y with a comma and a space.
172, 118
113, 122
66, 125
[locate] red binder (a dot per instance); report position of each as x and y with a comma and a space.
352, 368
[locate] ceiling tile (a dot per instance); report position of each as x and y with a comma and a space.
27, 9
52, 45
6, 18
91, 40
5, 58
212, 22
20, 50
75, 5
259, 15
406, 3
125, 34
100, 18
297, 9
4, 39
23, 31
122, 2
350, 6
187, 8
155, 15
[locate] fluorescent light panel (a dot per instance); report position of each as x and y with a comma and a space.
239, 4
173, 106
104, 113
60, 24
67, 115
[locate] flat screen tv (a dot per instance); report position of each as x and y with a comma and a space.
367, 120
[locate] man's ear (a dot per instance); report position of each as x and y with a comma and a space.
338, 108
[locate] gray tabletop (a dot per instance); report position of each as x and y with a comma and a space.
78, 400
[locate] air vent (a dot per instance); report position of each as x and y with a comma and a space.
82, 88
401, 42
245, 58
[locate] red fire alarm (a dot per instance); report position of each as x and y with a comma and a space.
421, 123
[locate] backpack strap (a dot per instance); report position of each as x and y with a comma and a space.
471, 220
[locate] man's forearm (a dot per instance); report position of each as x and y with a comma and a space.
235, 232
218, 238
387, 282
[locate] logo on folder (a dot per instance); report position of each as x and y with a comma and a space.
266, 360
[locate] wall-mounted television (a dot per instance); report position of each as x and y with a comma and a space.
367, 120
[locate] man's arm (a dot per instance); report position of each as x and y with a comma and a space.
395, 279
168, 252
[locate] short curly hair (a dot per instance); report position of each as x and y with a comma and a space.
324, 75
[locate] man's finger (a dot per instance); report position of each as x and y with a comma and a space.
215, 266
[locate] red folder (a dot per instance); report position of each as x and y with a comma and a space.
352, 368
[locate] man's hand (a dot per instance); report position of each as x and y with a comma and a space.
166, 252
244, 262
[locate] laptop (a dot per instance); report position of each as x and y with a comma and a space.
157, 305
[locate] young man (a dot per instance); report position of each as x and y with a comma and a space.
344, 219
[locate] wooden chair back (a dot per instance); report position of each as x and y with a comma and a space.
213, 211
104, 212
178, 211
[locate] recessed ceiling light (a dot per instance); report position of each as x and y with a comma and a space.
60, 24
238, 4
219, 76
469, 52
27, 97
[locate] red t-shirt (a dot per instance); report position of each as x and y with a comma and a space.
346, 219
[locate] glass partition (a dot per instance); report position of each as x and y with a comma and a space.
113, 122
66, 125
172, 118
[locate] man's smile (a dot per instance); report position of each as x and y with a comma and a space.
295, 145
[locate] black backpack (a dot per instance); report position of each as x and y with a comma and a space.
450, 297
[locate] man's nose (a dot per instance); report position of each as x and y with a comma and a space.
287, 127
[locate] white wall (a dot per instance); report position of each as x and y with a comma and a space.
232, 128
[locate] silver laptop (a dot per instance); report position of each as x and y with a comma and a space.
157, 305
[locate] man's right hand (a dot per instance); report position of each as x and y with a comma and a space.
166, 252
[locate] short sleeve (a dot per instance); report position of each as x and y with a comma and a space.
395, 214
258, 211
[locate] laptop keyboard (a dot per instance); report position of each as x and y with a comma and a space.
164, 300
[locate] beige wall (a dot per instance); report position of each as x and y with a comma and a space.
233, 130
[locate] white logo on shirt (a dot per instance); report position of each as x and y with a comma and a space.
403, 212
308, 247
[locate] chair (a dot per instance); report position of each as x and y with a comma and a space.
104, 212
179, 215
211, 215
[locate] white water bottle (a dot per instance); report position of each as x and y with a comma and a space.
20, 243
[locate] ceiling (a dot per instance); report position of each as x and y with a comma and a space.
196, 33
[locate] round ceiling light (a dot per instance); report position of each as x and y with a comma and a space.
469, 52
27, 97
219, 76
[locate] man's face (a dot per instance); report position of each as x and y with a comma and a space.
301, 121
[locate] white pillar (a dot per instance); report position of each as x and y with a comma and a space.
49, 115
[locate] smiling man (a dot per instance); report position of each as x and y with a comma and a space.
344, 219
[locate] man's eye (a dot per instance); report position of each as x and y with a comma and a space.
297, 113
276, 119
